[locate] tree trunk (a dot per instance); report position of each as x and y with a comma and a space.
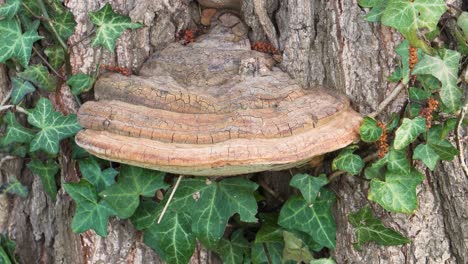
322, 42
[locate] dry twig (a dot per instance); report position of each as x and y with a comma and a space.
170, 198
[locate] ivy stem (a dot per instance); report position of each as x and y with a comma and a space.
461, 155
396, 91
57, 37
32, 13
16, 107
47, 63
170, 198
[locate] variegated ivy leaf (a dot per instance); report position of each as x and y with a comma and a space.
110, 26
295, 249
369, 130
56, 56
235, 250
410, 16
377, 9
15, 132
14, 44
418, 94
445, 68
398, 192
172, 239
369, 228
10, 8
348, 161
426, 154
80, 83
309, 185
313, 219
15, 187
46, 172
409, 130
39, 76
124, 196
53, 127
20, 89
90, 213
65, 24
397, 161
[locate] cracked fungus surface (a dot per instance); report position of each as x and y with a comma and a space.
213, 108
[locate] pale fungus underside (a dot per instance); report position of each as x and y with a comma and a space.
213, 108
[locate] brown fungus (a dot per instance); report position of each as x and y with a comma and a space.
213, 108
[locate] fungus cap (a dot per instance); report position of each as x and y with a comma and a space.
213, 108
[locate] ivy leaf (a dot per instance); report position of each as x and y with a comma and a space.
233, 251
370, 228
378, 7
89, 213
110, 26
323, 261
124, 196
20, 89
376, 170
54, 127
145, 215
14, 44
295, 249
80, 83
92, 172
441, 146
15, 132
348, 161
56, 56
314, 219
10, 8
7, 247
39, 76
269, 230
46, 172
425, 153
418, 94
403, 50
275, 251
410, 16
308, 185
65, 24
409, 130
398, 192
445, 68
397, 161
369, 130
172, 239
15, 187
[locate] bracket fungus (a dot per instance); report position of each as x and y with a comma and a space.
213, 108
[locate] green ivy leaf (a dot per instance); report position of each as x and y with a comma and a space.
46, 172
54, 127
393, 123
269, 230
449, 125
398, 192
89, 213
91, 171
65, 24
275, 251
10, 8
80, 83
314, 219
20, 89
397, 161
409, 130
39, 76
234, 251
308, 185
145, 215
15, 132
295, 249
445, 68
110, 26
14, 44
124, 196
172, 239
323, 261
418, 94
462, 22
7, 248
403, 50
56, 56
378, 7
441, 146
427, 155
15, 187
370, 228
369, 130
348, 161
410, 16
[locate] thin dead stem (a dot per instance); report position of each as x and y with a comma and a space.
396, 91
170, 198
461, 154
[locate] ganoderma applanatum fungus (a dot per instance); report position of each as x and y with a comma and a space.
213, 108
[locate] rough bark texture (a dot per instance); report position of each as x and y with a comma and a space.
323, 42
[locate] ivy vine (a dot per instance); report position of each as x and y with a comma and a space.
223, 214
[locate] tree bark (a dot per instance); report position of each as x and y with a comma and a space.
322, 42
